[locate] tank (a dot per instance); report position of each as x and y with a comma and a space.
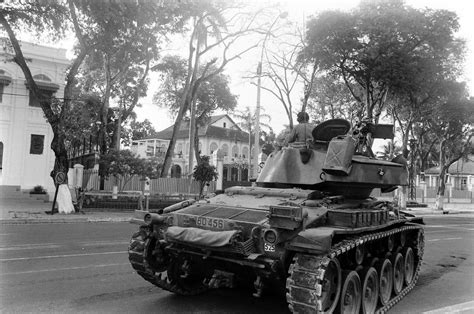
308, 227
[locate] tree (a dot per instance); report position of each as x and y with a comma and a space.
330, 99
81, 122
204, 173
211, 95
452, 123
376, 45
48, 19
124, 37
280, 70
141, 130
123, 165
209, 32
247, 120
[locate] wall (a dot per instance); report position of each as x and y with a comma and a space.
18, 121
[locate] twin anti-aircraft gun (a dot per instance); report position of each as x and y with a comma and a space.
309, 225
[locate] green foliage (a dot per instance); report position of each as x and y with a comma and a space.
330, 99
211, 94
123, 165
137, 130
38, 189
41, 18
204, 173
383, 46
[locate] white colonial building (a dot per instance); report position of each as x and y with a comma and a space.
26, 158
220, 133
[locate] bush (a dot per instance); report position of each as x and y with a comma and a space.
38, 190
204, 172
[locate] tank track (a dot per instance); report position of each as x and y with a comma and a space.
308, 270
137, 257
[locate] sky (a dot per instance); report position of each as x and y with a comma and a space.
298, 12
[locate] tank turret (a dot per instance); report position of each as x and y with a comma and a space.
338, 160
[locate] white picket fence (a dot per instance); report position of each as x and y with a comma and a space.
168, 186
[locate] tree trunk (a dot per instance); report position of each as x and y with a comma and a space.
439, 204
442, 173
170, 151
57, 144
197, 153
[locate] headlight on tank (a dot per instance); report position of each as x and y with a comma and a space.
270, 236
148, 219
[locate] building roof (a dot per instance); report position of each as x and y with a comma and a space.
460, 167
205, 131
214, 119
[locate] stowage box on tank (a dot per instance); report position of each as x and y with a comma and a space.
308, 226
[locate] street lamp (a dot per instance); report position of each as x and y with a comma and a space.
259, 87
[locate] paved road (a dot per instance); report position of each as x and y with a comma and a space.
83, 267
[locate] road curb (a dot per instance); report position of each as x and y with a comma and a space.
22, 221
457, 308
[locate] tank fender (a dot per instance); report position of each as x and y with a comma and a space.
312, 240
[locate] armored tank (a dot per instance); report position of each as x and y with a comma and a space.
308, 226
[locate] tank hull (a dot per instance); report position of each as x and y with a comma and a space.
223, 243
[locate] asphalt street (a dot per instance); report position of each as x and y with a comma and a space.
83, 268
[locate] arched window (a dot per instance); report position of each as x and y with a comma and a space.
176, 171
41, 77
225, 149
179, 149
235, 151
213, 147
245, 152
47, 89
5, 80
245, 174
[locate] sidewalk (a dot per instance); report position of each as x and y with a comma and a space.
26, 211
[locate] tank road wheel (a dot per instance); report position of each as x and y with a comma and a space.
359, 254
385, 281
403, 238
390, 243
370, 290
398, 278
351, 294
331, 286
409, 265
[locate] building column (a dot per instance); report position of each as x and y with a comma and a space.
218, 162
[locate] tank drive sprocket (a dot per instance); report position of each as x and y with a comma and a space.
170, 275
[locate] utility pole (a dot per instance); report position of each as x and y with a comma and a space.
412, 169
259, 87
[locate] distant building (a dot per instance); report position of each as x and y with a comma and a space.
26, 158
460, 175
220, 133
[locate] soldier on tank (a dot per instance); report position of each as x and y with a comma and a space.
302, 131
